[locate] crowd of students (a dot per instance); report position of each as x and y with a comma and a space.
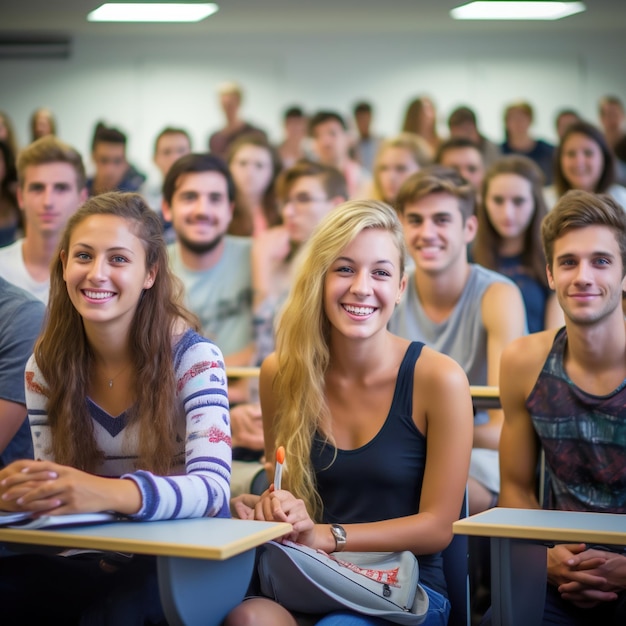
374, 280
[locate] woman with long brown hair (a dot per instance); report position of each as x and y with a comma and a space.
254, 165
509, 239
128, 410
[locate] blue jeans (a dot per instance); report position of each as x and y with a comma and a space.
438, 612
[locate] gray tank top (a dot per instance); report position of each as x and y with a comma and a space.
462, 336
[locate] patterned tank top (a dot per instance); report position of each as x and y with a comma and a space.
583, 436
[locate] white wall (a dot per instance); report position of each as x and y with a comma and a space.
143, 85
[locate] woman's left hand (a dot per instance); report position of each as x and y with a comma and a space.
46, 487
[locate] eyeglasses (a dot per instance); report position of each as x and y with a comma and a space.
302, 200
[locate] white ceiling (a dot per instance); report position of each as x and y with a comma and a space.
316, 17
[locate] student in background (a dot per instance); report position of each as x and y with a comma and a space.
421, 119
564, 119
465, 157
366, 144
42, 123
565, 392
254, 165
398, 158
7, 133
360, 412
170, 145
293, 146
331, 146
584, 161
119, 413
10, 214
230, 99
462, 124
508, 238
518, 118
459, 308
51, 187
113, 171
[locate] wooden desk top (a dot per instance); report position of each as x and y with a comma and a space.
202, 538
558, 526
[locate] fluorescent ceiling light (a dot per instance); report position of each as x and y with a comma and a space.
155, 12
516, 10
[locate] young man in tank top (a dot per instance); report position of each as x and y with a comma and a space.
566, 392
456, 307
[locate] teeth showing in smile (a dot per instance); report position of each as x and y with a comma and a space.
98, 295
359, 310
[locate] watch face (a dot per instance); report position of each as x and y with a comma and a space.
339, 533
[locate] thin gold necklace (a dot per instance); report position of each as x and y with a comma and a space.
116, 375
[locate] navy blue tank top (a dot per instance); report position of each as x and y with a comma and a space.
382, 479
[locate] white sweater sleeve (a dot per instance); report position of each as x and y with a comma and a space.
204, 490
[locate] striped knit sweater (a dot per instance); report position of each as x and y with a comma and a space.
198, 485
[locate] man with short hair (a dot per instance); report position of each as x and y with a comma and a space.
331, 145
465, 157
113, 171
51, 187
564, 392
171, 144
458, 308
462, 124
231, 97
198, 197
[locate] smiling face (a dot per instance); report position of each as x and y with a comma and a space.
200, 211
587, 274
252, 170
393, 167
435, 234
363, 285
105, 272
510, 206
49, 196
582, 162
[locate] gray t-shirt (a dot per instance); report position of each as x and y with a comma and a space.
21, 316
222, 295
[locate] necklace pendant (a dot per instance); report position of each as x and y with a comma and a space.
110, 383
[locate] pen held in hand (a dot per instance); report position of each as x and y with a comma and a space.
280, 460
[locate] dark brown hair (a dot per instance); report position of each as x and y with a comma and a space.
488, 240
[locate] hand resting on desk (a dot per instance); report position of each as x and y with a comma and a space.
586, 577
47, 487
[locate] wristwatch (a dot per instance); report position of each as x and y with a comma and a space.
340, 536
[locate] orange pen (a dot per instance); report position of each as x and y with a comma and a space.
280, 460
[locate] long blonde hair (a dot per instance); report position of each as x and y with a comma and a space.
65, 358
303, 334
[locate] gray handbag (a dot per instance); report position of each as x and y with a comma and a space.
381, 584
